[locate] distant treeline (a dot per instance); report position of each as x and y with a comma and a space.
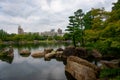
4, 36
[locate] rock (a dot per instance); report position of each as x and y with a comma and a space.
69, 51
96, 54
81, 69
111, 64
59, 54
81, 52
49, 55
37, 54
25, 52
49, 50
59, 49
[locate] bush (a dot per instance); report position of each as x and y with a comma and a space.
110, 73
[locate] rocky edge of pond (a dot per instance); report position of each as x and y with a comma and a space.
76, 60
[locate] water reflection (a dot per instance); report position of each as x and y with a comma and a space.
33, 71
29, 68
7, 59
7, 55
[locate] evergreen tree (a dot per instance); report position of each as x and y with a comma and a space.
72, 28
80, 24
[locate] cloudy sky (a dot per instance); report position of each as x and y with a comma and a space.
43, 15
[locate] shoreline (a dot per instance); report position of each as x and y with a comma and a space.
31, 42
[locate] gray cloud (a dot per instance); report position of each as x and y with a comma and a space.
42, 15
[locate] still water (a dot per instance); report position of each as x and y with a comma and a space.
29, 68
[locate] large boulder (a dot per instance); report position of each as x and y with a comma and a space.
81, 69
59, 54
25, 52
96, 54
81, 52
69, 51
48, 50
37, 54
60, 49
49, 55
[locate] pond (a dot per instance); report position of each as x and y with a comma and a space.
29, 68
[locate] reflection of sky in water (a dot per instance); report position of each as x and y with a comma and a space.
28, 68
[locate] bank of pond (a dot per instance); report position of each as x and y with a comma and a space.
57, 62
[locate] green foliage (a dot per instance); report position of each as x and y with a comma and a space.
91, 36
3, 35
116, 5
72, 28
67, 36
76, 27
116, 78
114, 15
103, 31
88, 20
58, 37
110, 73
0, 41
112, 30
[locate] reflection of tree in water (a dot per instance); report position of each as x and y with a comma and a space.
7, 59
35, 46
26, 46
6, 54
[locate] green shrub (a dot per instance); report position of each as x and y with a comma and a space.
110, 73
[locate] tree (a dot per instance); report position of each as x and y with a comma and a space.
76, 27
80, 24
111, 33
67, 36
95, 22
115, 14
88, 20
3, 35
72, 28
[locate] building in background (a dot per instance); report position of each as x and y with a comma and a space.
49, 33
59, 31
52, 33
52, 30
20, 30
